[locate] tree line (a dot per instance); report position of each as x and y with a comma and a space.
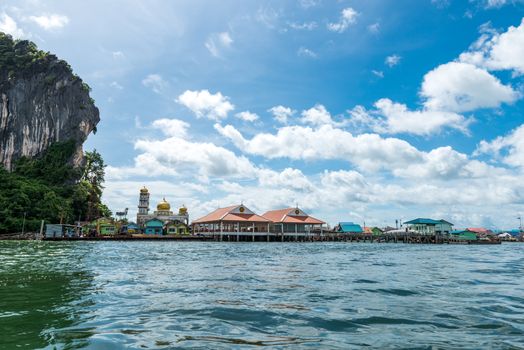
49, 188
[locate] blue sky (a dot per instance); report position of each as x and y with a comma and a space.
354, 110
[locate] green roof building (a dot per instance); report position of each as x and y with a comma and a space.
464, 235
429, 226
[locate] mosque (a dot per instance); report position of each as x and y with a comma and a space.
162, 218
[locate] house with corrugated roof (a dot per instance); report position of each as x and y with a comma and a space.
444, 227
348, 228
427, 226
375, 231
464, 235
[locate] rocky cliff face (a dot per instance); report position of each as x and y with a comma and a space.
41, 101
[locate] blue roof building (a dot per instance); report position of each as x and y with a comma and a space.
154, 227
514, 232
348, 227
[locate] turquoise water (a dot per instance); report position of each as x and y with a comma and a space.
210, 295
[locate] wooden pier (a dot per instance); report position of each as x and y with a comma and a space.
295, 237
132, 238
408, 238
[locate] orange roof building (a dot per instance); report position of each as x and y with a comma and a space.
237, 219
293, 221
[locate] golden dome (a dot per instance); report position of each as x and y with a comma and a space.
182, 211
144, 190
163, 206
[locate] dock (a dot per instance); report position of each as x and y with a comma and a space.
131, 238
408, 238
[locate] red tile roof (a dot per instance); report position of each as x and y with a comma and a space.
478, 230
281, 216
224, 214
276, 215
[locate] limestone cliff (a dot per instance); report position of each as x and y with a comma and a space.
41, 101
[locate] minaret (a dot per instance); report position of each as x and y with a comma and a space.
143, 206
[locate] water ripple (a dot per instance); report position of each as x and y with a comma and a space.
201, 295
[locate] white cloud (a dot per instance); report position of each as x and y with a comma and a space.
347, 18
361, 120
247, 116
392, 60
344, 186
367, 151
182, 156
204, 104
305, 52
451, 88
118, 55
217, 42
317, 115
155, 82
281, 113
374, 28
177, 156
309, 3
268, 16
303, 26
462, 87
9, 26
440, 3
172, 127
116, 85
442, 162
398, 119
288, 178
427, 181
378, 73
495, 51
512, 145
50, 21
495, 3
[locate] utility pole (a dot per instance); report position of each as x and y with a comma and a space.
521, 235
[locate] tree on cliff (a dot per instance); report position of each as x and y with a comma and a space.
51, 189
42, 172
92, 180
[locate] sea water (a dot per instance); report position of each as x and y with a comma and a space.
211, 295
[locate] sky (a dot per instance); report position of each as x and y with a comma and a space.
365, 111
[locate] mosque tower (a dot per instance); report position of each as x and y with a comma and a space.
143, 206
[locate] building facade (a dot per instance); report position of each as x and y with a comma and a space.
293, 221
154, 227
237, 219
348, 228
163, 211
426, 226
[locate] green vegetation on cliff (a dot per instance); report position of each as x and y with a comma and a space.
18, 55
22, 57
49, 188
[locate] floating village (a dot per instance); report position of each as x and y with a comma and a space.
238, 223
